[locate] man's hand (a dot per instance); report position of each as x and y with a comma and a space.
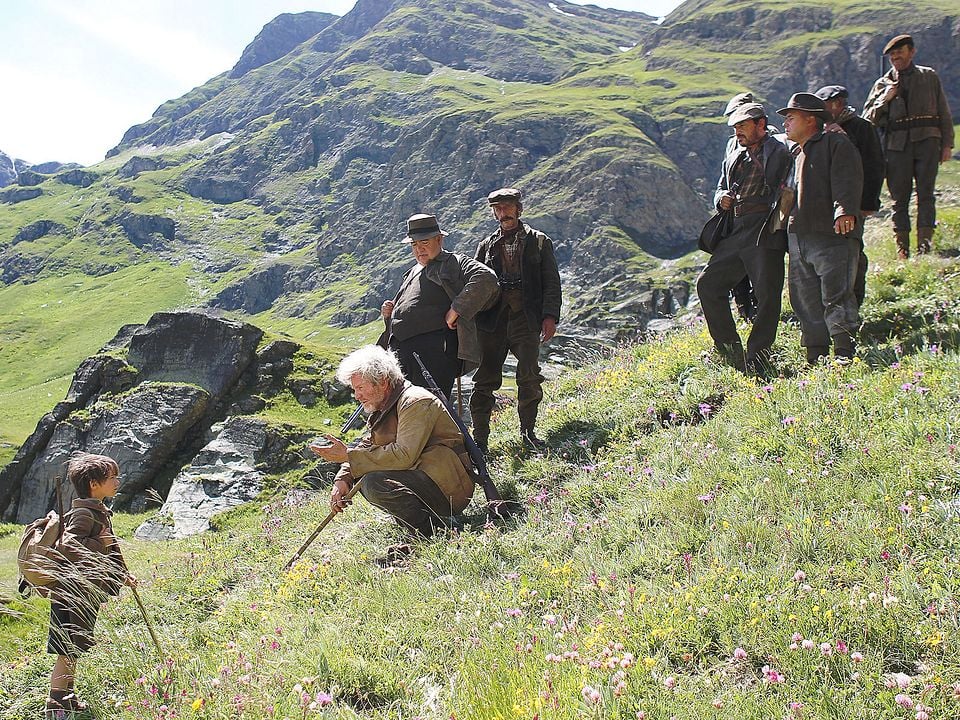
890, 92
386, 310
451, 318
337, 497
845, 224
946, 154
336, 451
727, 200
834, 128
548, 329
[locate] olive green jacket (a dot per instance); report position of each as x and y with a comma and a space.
414, 432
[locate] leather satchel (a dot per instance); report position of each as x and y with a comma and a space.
715, 230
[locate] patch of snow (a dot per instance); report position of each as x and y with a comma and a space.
626, 48
553, 6
659, 20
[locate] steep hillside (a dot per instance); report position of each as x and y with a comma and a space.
277, 191
699, 545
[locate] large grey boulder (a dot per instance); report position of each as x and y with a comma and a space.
222, 475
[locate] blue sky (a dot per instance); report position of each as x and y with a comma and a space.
77, 73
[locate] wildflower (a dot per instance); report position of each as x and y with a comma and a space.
772, 676
323, 699
841, 647
796, 707
514, 612
590, 694
717, 703
670, 683
807, 645
788, 420
904, 701
898, 680
856, 657
797, 637
739, 654
197, 704
826, 649
799, 576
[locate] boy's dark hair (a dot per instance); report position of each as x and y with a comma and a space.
86, 468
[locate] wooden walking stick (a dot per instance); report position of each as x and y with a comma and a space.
320, 527
146, 619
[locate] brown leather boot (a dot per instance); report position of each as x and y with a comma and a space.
903, 244
924, 240
57, 708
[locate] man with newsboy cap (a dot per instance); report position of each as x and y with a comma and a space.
753, 172
526, 315
433, 313
863, 135
824, 230
909, 107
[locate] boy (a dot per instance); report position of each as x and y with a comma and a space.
94, 571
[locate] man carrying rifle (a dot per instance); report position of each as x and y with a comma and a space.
414, 465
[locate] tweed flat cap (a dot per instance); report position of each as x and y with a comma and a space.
807, 102
422, 227
747, 111
896, 42
504, 195
829, 92
738, 100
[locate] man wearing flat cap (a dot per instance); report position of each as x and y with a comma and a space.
434, 311
863, 135
527, 315
824, 230
752, 174
909, 107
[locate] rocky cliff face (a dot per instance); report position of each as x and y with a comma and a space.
8, 173
178, 392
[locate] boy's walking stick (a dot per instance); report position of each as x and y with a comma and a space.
320, 527
146, 619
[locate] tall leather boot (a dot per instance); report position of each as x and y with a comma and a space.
903, 244
844, 346
924, 240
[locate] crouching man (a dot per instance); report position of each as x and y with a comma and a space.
414, 464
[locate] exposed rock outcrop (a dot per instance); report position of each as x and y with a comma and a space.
278, 37
8, 172
148, 230
19, 194
36, 230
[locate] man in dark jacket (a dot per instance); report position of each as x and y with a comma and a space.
824, 230
864, 137
909, 106
526, 315
434, 310
753, 171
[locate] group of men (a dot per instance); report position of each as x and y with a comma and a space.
454, 313
807, 192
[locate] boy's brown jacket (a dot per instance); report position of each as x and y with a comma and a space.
414, 432
95, 564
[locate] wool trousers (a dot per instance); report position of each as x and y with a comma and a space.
736, 256
917, 163
823, 270
414, 500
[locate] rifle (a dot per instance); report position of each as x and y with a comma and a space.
497, 507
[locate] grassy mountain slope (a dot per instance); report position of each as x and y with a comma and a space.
699, 545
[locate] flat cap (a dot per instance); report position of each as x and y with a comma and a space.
502, 195
422, 227
829, 92
807, 102
747, 111
738, 100
896, 42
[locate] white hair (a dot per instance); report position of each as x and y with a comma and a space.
372, 363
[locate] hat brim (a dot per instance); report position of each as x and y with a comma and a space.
822, 114
413, 237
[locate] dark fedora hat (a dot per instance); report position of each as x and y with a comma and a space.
829, 92
422, 227
898, 41
738, 100
807, 102
511, 195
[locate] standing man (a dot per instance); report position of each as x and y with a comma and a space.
526, 316
909, 107
754, 170
864, 137
434, 309
824, 230
743, 296
413, 465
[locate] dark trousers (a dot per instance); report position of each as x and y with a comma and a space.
918, 161
410, 496
736, 256
513, 334
438, 351
823, 270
